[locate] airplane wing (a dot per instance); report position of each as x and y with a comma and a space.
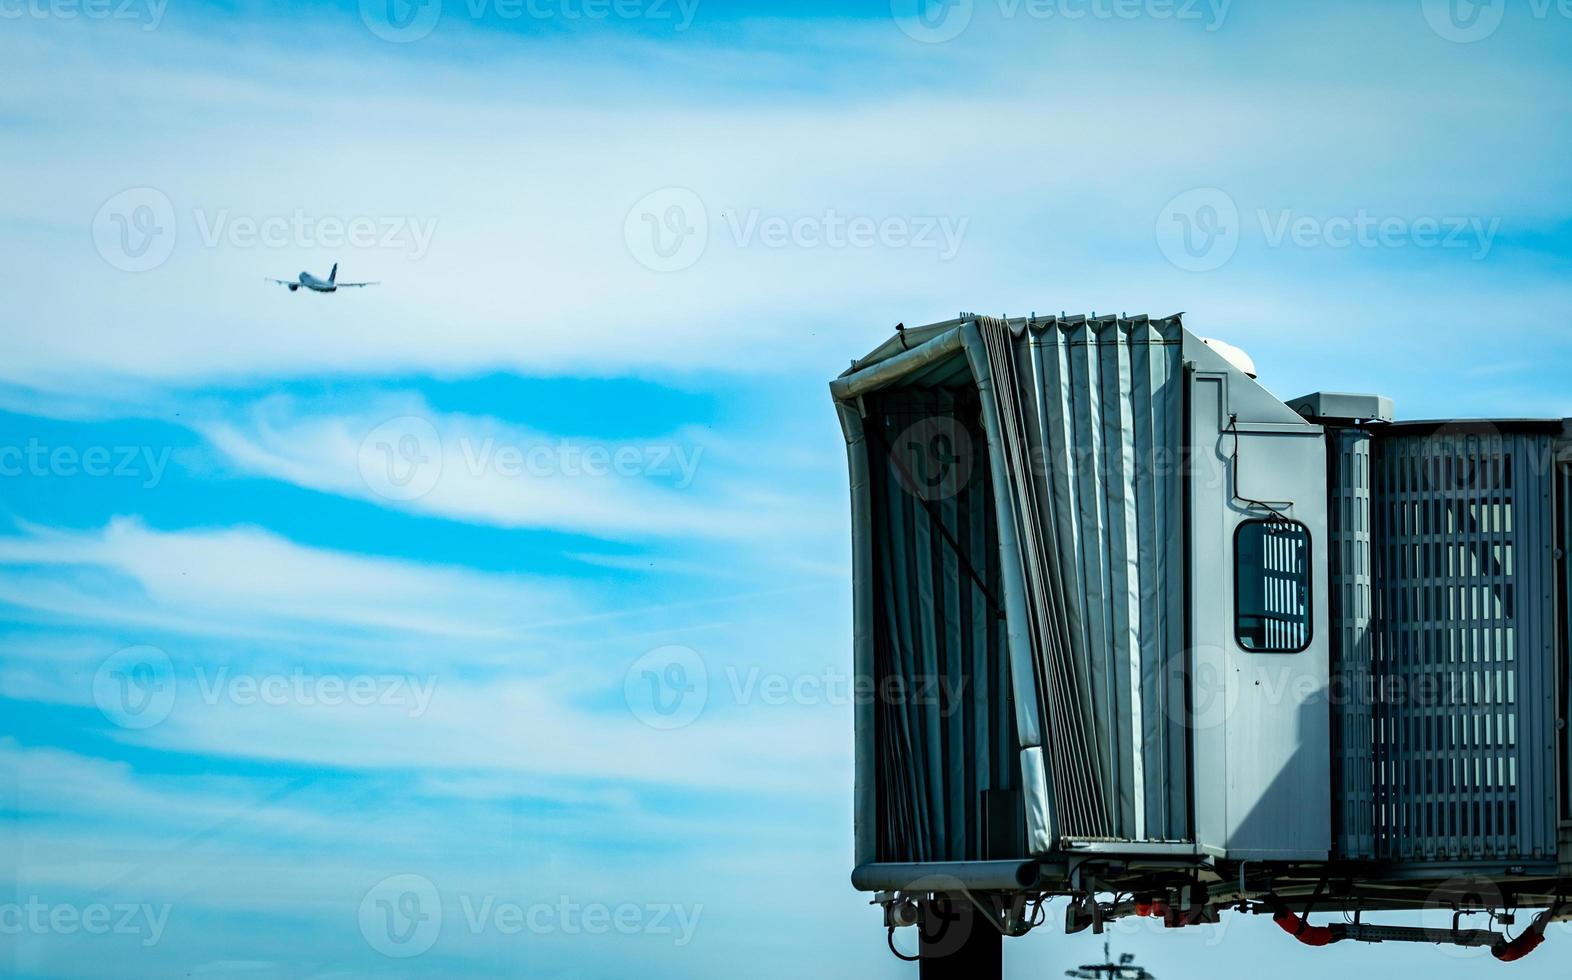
343, 285
281, 282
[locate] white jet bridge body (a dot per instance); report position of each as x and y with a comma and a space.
1135, 625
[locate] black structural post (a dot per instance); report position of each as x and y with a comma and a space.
957, 941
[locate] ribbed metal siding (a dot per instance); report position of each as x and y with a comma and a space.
1463, 660
1348, 563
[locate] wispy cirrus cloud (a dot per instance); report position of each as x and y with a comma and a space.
248, 581
488, 671
399, 452
520, 155
221, 862
531, 266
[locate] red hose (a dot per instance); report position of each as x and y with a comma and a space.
1517, 948
1529, 940
1303, 931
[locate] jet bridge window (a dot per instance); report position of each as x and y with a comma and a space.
1272, 586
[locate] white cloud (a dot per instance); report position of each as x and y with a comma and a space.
237, 860
547, 726
400, 453
57, 782
529, 726
495, 673
528, 153
247, 581
531, 163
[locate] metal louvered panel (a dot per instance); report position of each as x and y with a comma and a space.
1463, 661
1349, 522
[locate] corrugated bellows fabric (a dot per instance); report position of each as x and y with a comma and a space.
944, 727
1091, 424
1090, 414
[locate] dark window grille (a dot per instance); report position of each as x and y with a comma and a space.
1272, 586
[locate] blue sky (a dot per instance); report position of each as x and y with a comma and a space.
301, 596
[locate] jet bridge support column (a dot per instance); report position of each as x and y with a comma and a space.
958, 941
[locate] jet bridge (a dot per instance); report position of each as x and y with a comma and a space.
1138, 628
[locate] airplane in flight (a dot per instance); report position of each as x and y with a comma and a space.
328, 285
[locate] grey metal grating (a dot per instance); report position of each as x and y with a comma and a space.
1462, 663
1348, 564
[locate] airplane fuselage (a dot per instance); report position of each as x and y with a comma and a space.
329, 285
314, 284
